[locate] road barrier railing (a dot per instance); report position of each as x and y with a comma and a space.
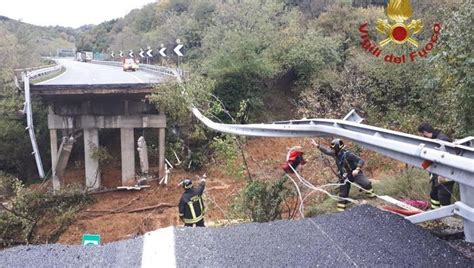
451, 160
40, 73
26, 76
146, 67
37, 72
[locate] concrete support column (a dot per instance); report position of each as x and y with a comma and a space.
467, 193
161, 151
91, 143
53, 136
128, 156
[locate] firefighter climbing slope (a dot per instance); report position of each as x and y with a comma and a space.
349, 168
191, 204
294, 158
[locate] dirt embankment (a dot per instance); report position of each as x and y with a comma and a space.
123, 214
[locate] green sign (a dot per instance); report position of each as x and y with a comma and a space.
90, 239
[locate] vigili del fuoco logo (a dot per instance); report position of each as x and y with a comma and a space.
398, 30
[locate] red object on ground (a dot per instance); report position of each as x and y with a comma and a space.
401, 211
423, 205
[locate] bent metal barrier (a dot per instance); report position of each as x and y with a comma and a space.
452, 160
26, 75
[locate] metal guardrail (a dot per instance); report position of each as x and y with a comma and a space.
451, 160
158, 69
27, 75
18, 72
408, 148
44, 72
146, 67
33, 68
110, 63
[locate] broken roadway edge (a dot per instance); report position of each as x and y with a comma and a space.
363, 236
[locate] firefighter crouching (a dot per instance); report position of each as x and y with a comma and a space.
349, 167
191, 204
441, 188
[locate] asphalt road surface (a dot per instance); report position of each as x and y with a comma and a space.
88, 73
363, 236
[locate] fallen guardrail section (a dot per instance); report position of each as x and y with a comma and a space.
451, 160
26, 75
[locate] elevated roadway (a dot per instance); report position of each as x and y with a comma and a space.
93, 96
95, 74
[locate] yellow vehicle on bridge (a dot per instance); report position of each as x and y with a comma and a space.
130, 64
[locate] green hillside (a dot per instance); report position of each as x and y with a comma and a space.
306, 55
31, 42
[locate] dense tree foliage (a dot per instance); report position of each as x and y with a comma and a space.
34, 41
309, 53
453, 77
18, 48
292, 57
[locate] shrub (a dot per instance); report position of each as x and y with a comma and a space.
29, 210
261, 201
227, 154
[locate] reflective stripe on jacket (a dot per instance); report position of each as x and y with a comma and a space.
191, 205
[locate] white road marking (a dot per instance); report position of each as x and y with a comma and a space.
158, 248
56, 77
138, 79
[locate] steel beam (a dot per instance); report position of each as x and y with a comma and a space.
101, 121
457, 208
435, 214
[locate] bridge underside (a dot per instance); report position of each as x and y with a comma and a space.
90, 108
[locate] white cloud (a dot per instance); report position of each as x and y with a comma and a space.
66, 12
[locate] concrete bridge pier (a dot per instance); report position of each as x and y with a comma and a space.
128, 155
161, 151
91, 160
53, 136
91, 108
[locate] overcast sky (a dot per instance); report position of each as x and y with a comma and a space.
71, 13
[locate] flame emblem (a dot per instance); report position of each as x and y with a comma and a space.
399, 11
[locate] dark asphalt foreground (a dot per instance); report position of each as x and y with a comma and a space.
125, 253
363, 236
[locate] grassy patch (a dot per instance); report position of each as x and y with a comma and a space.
411, 183
325, 207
